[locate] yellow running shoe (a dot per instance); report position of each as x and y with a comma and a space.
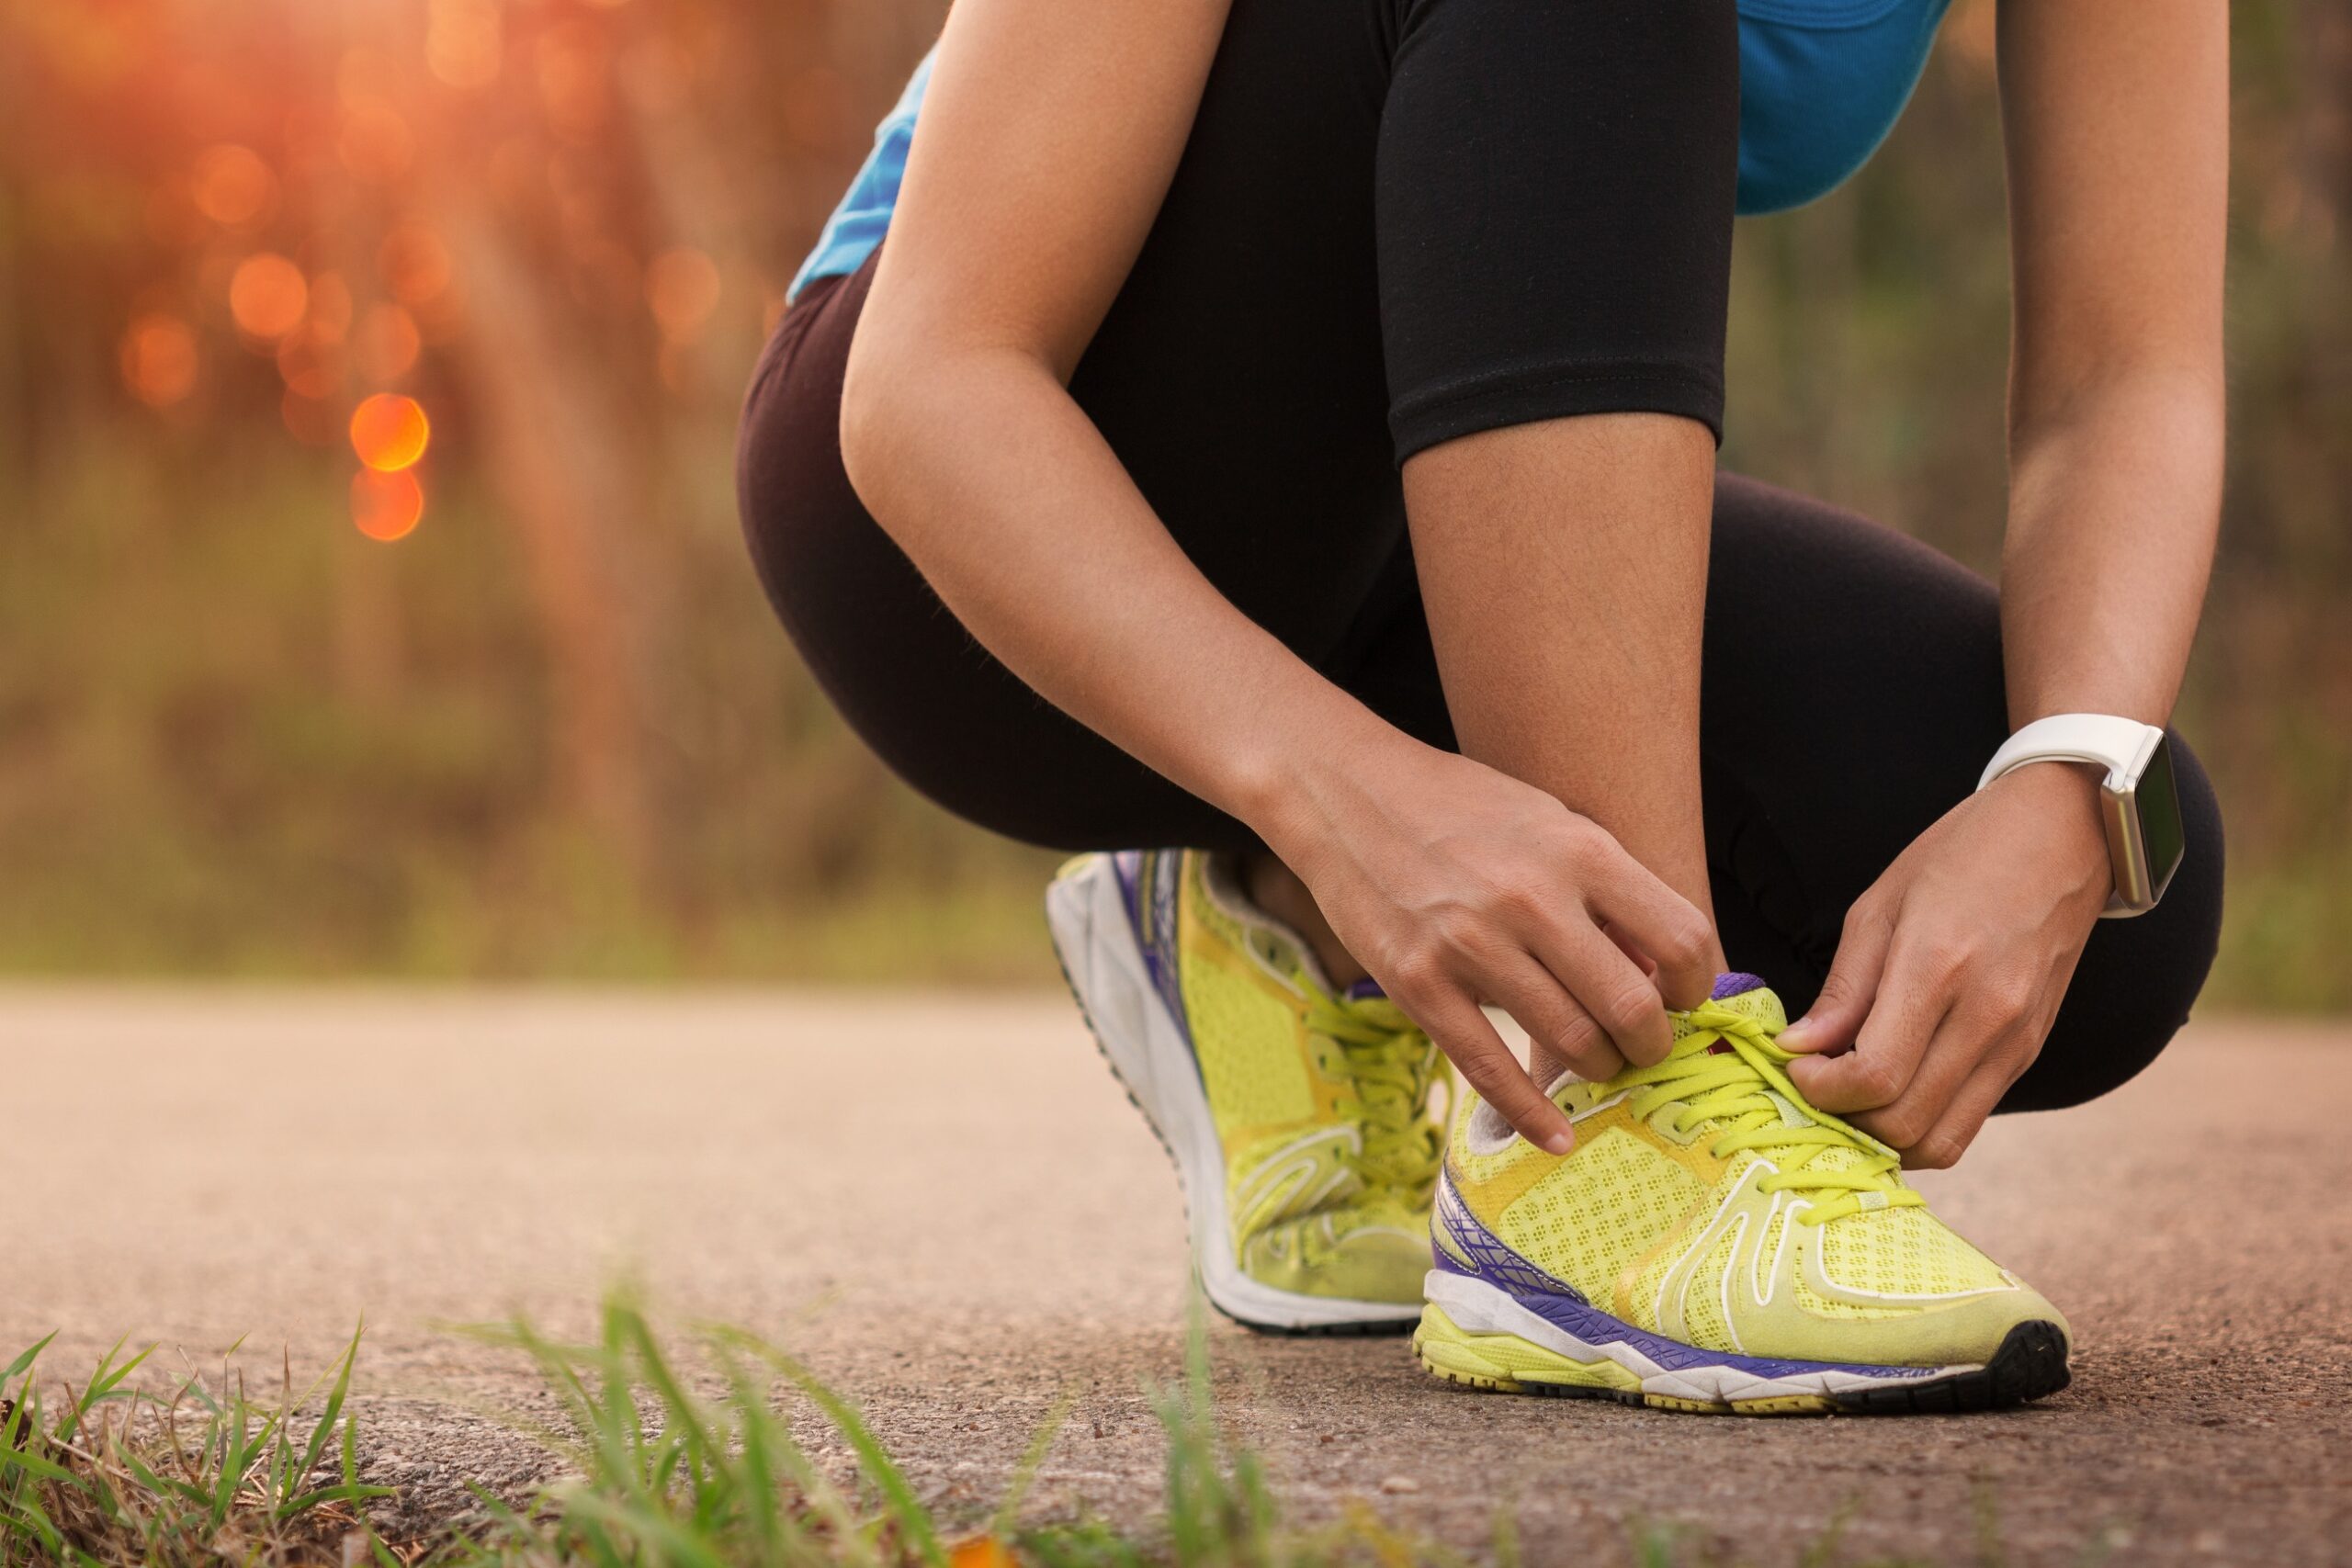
1298, 1119
1714, 1243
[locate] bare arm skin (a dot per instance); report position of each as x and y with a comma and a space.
1952, 966
1053, 129
1608, 513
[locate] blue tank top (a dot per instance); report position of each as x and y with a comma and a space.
1821, 83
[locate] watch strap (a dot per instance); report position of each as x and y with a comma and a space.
2119, 745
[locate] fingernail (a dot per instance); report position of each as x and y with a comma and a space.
1559, 1143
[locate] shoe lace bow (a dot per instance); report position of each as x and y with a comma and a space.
1726, 1072
1390, 1067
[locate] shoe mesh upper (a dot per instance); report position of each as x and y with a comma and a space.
1702, 1298
1286, 1103
1599, 1211
1245, 1036
1640, 1303
1632, 1205
1812, 1300
1904, 1252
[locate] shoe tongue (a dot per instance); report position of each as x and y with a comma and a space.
1742, 994
1747, 994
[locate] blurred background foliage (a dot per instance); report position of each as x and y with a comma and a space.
370, 595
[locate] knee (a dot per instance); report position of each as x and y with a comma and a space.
2181, 943
2138, 979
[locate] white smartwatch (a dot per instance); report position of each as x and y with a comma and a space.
2138, 799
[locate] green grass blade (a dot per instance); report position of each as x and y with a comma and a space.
25, 1361
913, 1519
332, 1409
338, 1493
34, 1464
1033, 1459
165, 1485
107, 1379
30, 1518
680, 1408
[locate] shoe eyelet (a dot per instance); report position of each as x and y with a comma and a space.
1662, 1122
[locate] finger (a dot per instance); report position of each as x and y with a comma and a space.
1614, 992
1968, 1037
1835, 1016
1963, 1118
1625, 941
1622, 1000
1561, 1031
1666, 927
1470, 1042
1909, 1008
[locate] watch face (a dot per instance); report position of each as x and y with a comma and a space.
2157, 800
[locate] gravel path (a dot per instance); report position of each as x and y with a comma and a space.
946, 1206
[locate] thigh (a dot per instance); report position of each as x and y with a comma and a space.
1852, 693
1237, 375
936, 707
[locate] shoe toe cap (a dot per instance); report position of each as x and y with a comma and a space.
1965, 1331
1374, 1260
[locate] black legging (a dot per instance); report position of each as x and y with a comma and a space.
1398, 222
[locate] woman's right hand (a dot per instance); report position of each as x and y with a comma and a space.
1455, 885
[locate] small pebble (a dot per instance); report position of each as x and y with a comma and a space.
1396, 1483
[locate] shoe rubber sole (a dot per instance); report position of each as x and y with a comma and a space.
1104, 964
1510, 1350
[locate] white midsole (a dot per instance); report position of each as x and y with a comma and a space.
1090, 928
1477, 1307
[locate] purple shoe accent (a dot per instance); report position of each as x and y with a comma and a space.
1490, 1259
1147, 887
1560, 1304
1733, 985
1129, 864
1365, 990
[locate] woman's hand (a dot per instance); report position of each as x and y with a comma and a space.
1455, 885
1952, 965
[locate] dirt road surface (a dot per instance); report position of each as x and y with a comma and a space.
946, 1205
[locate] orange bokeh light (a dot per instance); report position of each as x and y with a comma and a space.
389, 431
330, 307
575, 64
309, 364
376, 143
159, 360
307, 420
267, 294
462, 42
982, 1551
385, 506
415, 265
231, 185
681, 286
387, 344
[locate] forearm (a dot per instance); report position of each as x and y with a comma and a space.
1004, 495
2114, 504
2117, 121
1564, 566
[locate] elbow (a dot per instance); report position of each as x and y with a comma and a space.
918, 411
2164, 419
875, 398
2182, 396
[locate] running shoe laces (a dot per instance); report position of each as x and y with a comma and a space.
1391, 1066
1726, 1072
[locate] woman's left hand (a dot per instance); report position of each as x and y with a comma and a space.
1951, 967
